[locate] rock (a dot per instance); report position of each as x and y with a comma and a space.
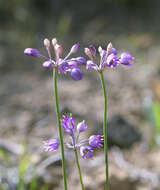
121, 133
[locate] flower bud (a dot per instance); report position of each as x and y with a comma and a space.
88, 52
109, 47
81, 126
76, 74
126, 59
46, 43
81, 60
58, 50
54, 41
51, 145
47, 64
99, 49
114, 51
74, 48
32, 52
72, 63
92, 49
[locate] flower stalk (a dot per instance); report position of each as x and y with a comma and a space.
59, 126
79, 169
105, 128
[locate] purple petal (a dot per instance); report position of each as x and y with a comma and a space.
96, 141
126, 59
81, 60
76, 74
92, 49
113, 50
48, 64
86, 151
68, 124
111, 61
74, 48
51, 145
81, 126
32, 52
90, 65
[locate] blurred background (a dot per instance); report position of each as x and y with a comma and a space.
26, 97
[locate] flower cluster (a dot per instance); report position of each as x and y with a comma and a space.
108, 58
63, 64
86, 146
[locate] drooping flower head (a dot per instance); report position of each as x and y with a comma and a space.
51, 145
108, 58
63, 64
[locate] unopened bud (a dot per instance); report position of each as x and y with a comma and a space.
47, 64
109, 47
74, 48
88, 52
32, 52
76, 74
58, 50
46, 43
54, 41
81, 126
92, 49
100, 49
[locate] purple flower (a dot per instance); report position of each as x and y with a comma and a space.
76, 74
74, 48
108, 58
81, 60
81, 126
32, 52
126, 59
48, 64
96, 141
51, 145
112, 61
92, 50
91, 65
72, 64
86, 151
113, 50
63, 65
68, 124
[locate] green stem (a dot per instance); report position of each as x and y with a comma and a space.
79, 169
105, 128
59, 126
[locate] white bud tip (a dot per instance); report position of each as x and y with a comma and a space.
46, 43
99, 49
109, 47
54, 41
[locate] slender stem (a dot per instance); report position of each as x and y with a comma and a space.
59, 126
105, 128
79, 169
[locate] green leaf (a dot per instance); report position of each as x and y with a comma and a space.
156, 115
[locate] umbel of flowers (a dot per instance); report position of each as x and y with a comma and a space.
64, 65
108, 58
85, 146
